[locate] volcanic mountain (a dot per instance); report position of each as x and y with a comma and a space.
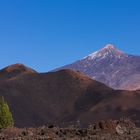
62, 97
111, 67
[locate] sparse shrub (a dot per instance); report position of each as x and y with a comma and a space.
6, 119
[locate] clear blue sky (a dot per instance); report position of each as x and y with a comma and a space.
45, 34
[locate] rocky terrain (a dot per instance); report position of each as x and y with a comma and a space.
62, 98
122, 129
112, 67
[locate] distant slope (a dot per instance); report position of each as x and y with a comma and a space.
63, 97
111, 67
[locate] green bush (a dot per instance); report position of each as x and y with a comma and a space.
6, 119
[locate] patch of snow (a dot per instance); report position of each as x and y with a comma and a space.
92, 55
107, 51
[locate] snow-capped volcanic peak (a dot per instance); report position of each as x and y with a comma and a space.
111, 67
108, 51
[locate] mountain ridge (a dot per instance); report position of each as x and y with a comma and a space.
63, 97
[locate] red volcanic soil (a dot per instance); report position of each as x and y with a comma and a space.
14, 70
62, 97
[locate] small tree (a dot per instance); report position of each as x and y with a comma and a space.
6, 119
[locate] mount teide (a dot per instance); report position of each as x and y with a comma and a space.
111, 67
